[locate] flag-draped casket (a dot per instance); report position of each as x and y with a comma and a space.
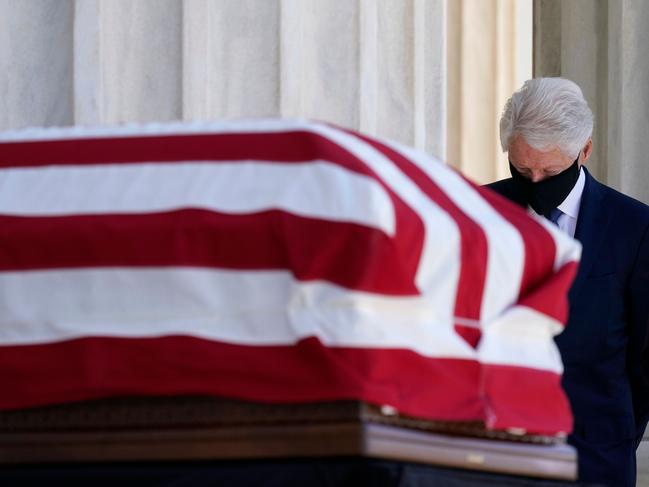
273, 261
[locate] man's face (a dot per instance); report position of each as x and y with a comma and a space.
534, 164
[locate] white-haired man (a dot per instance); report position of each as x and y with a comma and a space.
546, 128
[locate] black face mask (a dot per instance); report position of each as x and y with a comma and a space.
546, 195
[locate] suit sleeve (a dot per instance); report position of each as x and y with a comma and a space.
638, 350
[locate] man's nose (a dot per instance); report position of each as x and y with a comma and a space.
537, 176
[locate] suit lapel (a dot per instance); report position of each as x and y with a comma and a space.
592, 223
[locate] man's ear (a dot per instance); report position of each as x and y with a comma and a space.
587, 150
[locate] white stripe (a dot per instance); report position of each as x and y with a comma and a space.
440, 256
318, 189
314, 306
243, 307
522, 337
505, 247
438, 270
270, 125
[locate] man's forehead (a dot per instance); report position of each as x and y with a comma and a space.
521, 154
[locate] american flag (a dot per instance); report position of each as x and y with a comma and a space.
274, 261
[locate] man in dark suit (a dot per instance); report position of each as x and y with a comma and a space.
546, 129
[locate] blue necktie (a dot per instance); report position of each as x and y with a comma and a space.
554, 216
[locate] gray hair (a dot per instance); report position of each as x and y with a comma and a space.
548, 113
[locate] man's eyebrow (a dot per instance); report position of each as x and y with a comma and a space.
522, 168
553, 168
526, 168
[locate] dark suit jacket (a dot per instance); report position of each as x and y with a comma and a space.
605, 344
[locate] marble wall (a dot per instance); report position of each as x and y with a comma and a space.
489, 57
386, 67
36, 62
374, 66
602, 47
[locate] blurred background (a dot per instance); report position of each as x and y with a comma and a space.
430, 73
433, 74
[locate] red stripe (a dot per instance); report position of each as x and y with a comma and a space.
348, 254
473, 242
551, 299
540, 249
526, 398
443, 389
428, 388
294, 146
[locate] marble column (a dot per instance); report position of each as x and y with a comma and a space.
602, 47
376, 66
231, 59
128, 60
490, 50
628, 97
36, 63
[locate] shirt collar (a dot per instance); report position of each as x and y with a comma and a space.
570, 205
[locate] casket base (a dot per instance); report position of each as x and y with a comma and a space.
154, 429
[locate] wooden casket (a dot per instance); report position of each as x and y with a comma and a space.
272, 289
